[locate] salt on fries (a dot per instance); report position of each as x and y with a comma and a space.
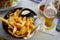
19, 26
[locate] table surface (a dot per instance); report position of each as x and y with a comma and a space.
38, 35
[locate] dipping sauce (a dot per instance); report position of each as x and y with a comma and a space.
56, 4
42, 7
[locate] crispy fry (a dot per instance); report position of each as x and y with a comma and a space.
16, 14
29, 32
23, 30
20, 19
15, 29
32, 27
18, 36
10, 32
17, 32
10, 27
18, 25
11, 14
24, 18
14, 34
4, 20
12, 21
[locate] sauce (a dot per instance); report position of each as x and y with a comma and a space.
42, 7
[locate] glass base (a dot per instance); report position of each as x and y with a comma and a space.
48, 28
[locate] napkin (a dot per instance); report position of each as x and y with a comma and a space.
41, 23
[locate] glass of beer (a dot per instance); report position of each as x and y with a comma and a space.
49, 14
48, 21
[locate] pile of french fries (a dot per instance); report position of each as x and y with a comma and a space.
19, 26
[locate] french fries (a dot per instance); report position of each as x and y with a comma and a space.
2, 19
15, 29
23, 30
19, 26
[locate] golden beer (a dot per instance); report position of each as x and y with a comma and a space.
48, 21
